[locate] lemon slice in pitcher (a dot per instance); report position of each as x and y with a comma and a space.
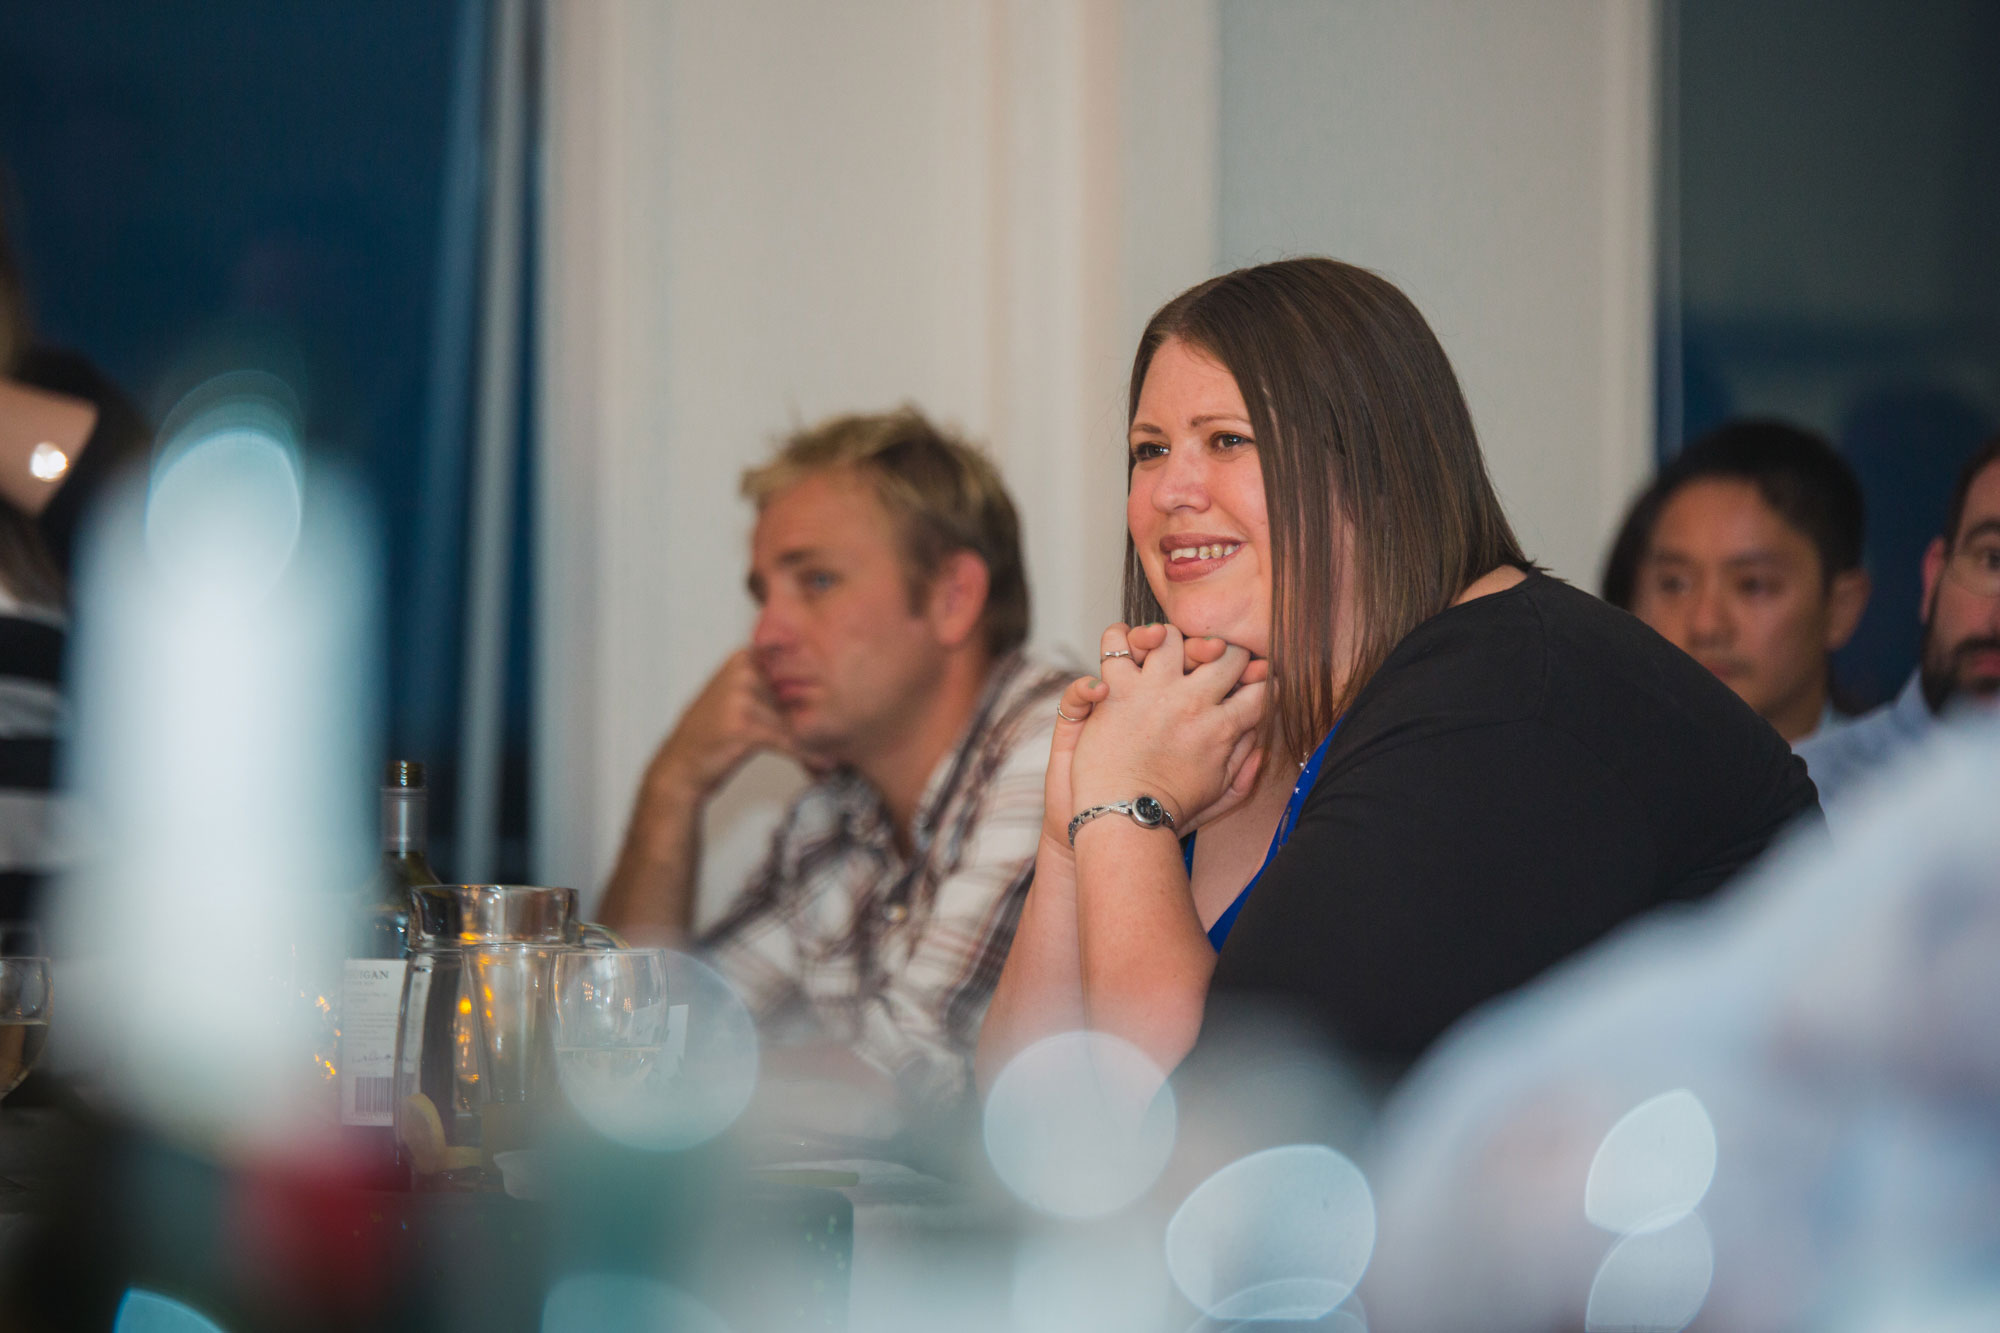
422, 1132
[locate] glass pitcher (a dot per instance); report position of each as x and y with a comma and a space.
475, 1055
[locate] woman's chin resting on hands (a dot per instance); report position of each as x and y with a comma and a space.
1383, 767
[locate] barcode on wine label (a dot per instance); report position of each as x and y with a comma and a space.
373, 1097
371, 993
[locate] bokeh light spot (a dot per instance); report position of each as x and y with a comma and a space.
145, 1311
1076, 1280
226, 503
1080, 1124
624, 1303
1349, 1318
229, 506
701, 1080
1653, 1167
1281, 1234
1654, 1281
46, 462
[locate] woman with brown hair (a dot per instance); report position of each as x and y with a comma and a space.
1421, 770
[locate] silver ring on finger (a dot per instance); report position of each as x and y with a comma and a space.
1065, 716
1115, 652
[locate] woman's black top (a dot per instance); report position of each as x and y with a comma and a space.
1525, 771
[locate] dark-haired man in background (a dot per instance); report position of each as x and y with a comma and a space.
1746, 554
1961, 652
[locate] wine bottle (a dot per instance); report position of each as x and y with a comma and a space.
372, 979
405, 865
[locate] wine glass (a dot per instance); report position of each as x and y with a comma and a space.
25, 996
611, 1025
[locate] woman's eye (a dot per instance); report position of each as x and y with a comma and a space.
1146, 450
817, 580
1226, 440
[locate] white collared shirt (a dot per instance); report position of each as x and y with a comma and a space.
1841, 760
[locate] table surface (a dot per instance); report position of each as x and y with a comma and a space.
907, 1250
763, 1254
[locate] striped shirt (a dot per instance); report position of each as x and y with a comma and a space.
31, 716
896, 956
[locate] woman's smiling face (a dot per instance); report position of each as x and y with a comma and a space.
1195, 506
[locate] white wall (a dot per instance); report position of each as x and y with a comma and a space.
1494, 158
763, 212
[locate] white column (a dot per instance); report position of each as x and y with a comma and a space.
1055, 278
764, 213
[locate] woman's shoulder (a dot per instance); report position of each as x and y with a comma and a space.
1476, 661
1579, 682
1530, 633
1546, 653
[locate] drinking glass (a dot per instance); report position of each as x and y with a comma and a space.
612, 1027
25, 996
513, 1086
510, 1007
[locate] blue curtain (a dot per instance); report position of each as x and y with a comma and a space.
196, 186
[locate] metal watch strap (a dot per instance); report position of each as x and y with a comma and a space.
1145, 811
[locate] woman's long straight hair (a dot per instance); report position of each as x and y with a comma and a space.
1354, 407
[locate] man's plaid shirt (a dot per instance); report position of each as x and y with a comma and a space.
898, 957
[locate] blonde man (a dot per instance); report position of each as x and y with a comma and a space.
887, 659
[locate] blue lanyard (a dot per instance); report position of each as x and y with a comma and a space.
1219, 932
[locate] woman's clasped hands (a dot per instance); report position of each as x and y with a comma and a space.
1169, 717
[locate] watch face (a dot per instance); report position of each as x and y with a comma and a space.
1149, 811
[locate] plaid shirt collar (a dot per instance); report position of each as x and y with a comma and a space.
864, 815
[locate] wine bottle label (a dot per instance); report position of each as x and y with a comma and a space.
371, 1001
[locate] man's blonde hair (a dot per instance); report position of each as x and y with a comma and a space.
944, 495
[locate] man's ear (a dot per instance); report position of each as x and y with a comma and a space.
1846, 599
1934, 560
958, 598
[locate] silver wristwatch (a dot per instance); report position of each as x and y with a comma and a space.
1146, 812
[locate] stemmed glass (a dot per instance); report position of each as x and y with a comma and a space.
611, 1027
25, 996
